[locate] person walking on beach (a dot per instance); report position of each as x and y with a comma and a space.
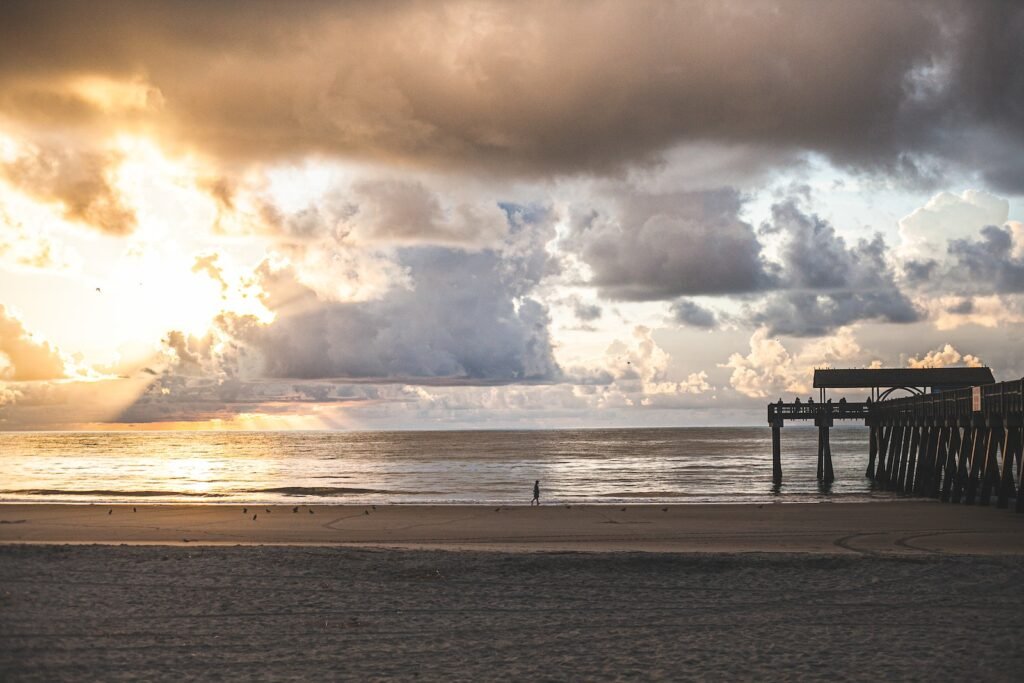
536, 493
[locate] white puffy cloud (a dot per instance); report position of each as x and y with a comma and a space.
770, 368
925, 232
22, 356
943, 357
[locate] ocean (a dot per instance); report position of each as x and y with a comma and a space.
612, 466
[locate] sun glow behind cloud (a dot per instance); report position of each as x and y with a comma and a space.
455, 211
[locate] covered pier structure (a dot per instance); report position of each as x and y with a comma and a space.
954, 434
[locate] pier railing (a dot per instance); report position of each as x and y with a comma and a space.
814, 411
1002, 400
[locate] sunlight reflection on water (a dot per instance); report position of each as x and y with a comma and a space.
716, 465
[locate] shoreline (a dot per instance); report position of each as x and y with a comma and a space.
913, 528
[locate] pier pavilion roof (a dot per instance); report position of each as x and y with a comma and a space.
902, 377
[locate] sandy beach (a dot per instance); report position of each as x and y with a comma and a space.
821, 592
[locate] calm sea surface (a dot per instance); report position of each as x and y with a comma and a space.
700, 465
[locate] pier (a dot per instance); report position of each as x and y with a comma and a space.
956, 435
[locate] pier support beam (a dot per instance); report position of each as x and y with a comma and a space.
1011, 445
949, 470
873, 438
825, 472
777, 452
913, 460
884, 437
962, 466
977, 455
990, 469
1020, 469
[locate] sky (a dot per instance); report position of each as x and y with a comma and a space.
451, 215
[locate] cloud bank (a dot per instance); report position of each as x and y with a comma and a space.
535, 87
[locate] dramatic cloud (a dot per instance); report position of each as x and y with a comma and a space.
829, 283
771, 369
690, 313
944, 357
21, 247
652, 247
947, 216
992, 261
462, 317
391, 211
531, 87
23, 358
79, 180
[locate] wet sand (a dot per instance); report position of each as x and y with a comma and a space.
908, 528
903, 591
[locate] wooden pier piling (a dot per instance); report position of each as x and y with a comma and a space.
777, 452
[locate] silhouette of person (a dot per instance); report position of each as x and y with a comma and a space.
536, 493
797, 401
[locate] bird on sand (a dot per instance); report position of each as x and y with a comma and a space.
664, 509
366, 512
497, 509
374, 507
310, 510
268, 510
622, 510
134, 510
295, 509
110, 512
254, 517
245, 511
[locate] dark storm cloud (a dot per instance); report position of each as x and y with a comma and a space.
807, 314
536, 87
828, 283
690, 313
654, 247
989, 262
